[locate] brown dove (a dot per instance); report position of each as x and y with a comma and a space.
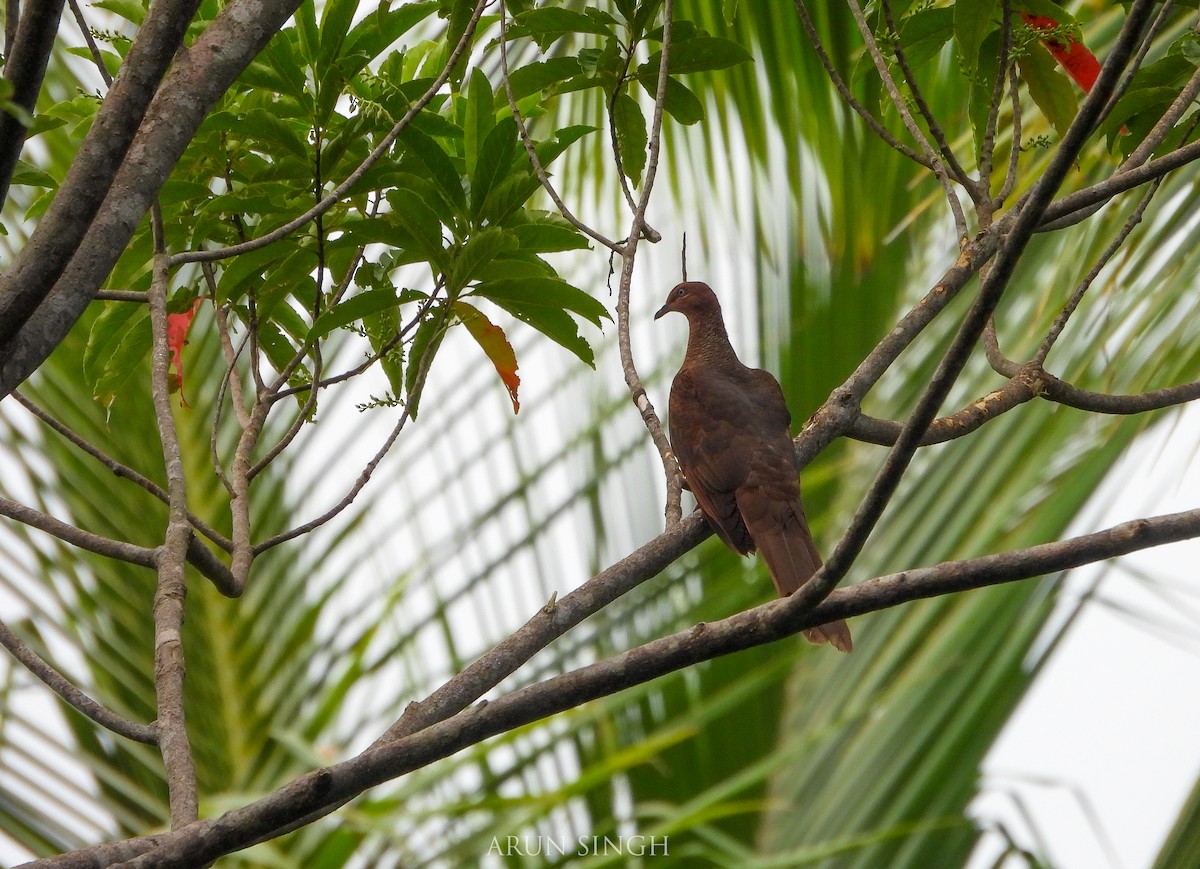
730, 430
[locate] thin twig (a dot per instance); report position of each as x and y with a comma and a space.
633, 381
1014, 154
984, 203
848, 97
363, 478
534, 160
123, 471
171, 592
72, 696
97, 57
1060, 322
936, 163
935, 130
120, 550
122, 296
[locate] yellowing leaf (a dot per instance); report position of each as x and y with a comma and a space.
495, 344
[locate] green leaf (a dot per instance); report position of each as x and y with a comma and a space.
412, 214
336, 16
549, 23
119, 351
107, 330
424, 346
631, 136
352, 310
1049, 88
548, 152
437, 164
924, 33
682, 105
538, 76
270, 128
381, 327
480, 117
1137, 111
376, 32
279, 352
30, 176
494, 342
1047, 9
543, 293
130, 10
249, 267
697, 55
548, 235
480, 249
972, 22
496, 157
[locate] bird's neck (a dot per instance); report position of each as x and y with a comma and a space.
708, 342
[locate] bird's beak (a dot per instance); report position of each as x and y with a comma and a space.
663, 310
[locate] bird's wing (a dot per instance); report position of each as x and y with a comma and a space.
703, 438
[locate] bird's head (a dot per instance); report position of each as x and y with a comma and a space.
690, 298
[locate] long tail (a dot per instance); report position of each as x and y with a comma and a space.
792, 558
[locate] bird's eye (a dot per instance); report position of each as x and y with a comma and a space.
680, 292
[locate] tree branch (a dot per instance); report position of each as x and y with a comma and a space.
171, 591
24, 68
206, 840
28, 282
72, 696
637, 228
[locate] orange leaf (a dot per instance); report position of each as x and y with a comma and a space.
495, 344
177, 329
1072, 55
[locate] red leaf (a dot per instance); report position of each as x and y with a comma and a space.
1072, 55
495, 344
177, 329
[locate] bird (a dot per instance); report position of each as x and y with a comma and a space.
730, 430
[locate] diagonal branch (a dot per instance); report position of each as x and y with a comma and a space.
59, 233
202, 842
62, 686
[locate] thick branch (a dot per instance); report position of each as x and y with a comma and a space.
1023, 387
203, 842
26, 285
24, 69
196, 80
